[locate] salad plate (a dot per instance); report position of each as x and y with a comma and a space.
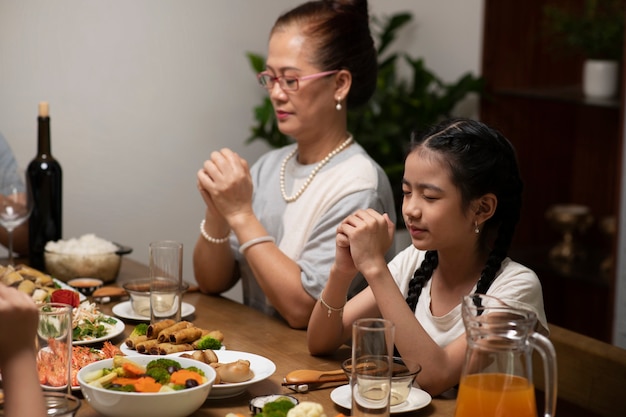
114, 331
125, 311
417, 399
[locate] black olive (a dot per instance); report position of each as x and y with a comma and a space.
171, 369
190, 383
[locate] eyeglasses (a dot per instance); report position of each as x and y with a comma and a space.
267, 80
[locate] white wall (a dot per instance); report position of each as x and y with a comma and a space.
141, 91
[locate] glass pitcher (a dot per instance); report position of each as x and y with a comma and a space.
496, 380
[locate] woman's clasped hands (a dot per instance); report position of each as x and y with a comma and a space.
225, 184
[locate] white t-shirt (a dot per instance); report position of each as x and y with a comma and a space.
515, 283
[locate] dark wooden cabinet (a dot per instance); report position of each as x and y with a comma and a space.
569, 149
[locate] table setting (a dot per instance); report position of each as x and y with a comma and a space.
273, 350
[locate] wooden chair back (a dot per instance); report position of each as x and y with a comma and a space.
591, 373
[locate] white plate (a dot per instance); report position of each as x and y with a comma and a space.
417, 399
262, 367
125, 311
117, 330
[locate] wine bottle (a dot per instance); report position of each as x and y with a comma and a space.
46, 179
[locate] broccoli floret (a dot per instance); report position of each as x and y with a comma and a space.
208, 342
140, 330
159, 374
276, 408
196, 370
163, 363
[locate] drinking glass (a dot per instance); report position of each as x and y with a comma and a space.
54, 346
372, 360
15, 203
166, 280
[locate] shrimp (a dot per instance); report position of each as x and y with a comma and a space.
51, 365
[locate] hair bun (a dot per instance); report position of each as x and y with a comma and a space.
354, 6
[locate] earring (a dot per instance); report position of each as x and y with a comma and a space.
476, 229
338, 105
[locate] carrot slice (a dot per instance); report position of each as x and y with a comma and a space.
124, 381
181, 376
132, 370
147, 384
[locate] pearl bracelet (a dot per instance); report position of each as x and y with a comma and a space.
211, 239
254, 241
331, 309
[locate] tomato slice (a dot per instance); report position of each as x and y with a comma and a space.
65, 297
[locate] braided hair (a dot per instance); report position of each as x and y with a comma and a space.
481, 161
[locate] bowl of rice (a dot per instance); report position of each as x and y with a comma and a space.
85, 256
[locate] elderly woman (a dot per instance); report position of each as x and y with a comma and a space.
274, 225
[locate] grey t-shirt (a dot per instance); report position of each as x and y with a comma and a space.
305, 229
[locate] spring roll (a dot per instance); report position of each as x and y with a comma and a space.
217, 334
164, 335
156, 328
167, 348
132, 341
185, 335
144, 347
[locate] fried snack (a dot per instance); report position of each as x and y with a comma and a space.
168, 332
27, 286
164, 335
206, 356
156, 328
167, 348
28, 280
238, 371
131, 342
216, 334
144, 347
11, 277
186, 335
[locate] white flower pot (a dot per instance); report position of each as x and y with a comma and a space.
600, 78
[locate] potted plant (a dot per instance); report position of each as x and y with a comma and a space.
399, 105
596, 32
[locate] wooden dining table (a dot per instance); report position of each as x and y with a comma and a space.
248, 330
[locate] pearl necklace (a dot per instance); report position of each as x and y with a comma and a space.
291, 199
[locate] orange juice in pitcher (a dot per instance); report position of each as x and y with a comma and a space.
496, 379
495, 394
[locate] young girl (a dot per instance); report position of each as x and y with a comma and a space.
462, 198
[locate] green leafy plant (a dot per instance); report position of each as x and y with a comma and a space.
399, 105
596, 31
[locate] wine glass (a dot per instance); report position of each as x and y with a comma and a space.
15, 203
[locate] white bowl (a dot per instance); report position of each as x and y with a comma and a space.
67, 266
137, 404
